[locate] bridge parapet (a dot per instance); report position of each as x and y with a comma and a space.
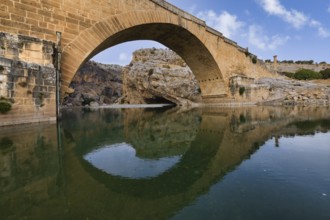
179, 12
190, 17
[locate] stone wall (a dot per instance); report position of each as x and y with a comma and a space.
27, 79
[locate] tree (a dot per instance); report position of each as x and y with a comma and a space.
305, 74
325, 73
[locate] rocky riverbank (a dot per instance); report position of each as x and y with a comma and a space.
160, 76
293, 92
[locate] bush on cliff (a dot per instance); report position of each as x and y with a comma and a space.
5, 106
305, 74
325, 73
288, 74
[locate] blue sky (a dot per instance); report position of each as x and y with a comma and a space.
291, 29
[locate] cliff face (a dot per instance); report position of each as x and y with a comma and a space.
95, 83
279, 91
154, 76
159, 76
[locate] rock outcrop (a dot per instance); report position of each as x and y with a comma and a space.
294, 92
95, 84
279, 91
159, 76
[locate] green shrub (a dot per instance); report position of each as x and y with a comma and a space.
325, 73
6, 143
241, 90
5, 106
288, 74
305, 74
247, 53
254, 60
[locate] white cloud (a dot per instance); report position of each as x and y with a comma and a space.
225, 22
257, 38
123, 57
295, 18
322, 31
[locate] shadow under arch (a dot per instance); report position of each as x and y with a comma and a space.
188, 43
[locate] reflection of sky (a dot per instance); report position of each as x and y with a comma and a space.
121, 160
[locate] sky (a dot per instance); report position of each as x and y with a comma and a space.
290, 29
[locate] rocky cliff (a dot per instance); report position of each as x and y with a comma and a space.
95, 83
159, 76
153, 76
279, 91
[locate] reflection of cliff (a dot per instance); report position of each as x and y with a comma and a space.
163, 135
153, 134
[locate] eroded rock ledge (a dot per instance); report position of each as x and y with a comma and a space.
158, 76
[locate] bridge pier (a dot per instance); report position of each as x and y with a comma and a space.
27, 80
57, 64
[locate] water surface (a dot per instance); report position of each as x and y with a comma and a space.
240, 163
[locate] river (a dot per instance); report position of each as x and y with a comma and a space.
167, 163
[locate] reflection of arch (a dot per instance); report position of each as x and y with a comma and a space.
179, 179
89, 192
185, 39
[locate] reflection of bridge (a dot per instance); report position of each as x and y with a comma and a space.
89, 26
220, 142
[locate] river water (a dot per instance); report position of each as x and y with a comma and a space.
166, 163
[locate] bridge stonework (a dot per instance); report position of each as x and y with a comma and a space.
90, 26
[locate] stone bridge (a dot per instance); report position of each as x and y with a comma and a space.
89, 26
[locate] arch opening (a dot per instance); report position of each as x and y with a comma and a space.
176, 38
180, 40
134, 72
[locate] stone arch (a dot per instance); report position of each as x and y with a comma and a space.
183, 36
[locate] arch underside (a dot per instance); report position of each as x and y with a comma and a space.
181, 41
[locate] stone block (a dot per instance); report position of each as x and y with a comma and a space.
42, 88
4, 15
51, 89
49, 82
5, 62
